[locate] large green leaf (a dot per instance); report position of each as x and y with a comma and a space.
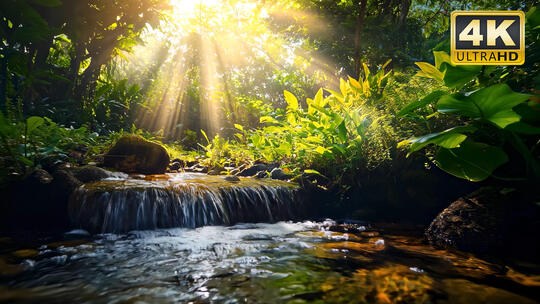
456, 76
450, 138
33, 123
342, 131
471, 160
429, 71
292, 102
430, 98
493, 103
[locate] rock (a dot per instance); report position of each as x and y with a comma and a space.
231, 178
488, 220
250, 171
278, 173
191, 163
38, 177
175, 166
134, 154
216, 171
180, 161
77, 234
197, 168
261, 174
90, 174
237, 170
52, 162
64, 183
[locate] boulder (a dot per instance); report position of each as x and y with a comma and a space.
216, 171
38, 177
261, 174
250, 171
280, 174
134, 154
175, 166
90, 174
489, 220
231, 178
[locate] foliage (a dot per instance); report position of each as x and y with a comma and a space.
495, 122
336, 134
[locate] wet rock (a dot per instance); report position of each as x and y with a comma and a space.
90, 174
231, 178
237, 170
197, 168
487, 220
38, 177
191, 163
250, 171
278, 173
52, 162
134, 154
175, 166
216, 171
261, 174
179, 161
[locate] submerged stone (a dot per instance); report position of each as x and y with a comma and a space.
134, 154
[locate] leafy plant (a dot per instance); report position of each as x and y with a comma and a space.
489, 120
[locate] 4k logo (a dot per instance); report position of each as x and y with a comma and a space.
487, 37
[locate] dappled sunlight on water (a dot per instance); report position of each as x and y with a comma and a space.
256, 263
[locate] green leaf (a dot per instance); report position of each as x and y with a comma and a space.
291, 100
239, 127
430, 98
342, 131
472, 161
440, 58
33, 123
206, 137
523, 128
456, 76
320, 149
429, 71
450, 138
493, 103
311, 171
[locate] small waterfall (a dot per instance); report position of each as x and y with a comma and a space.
181, 200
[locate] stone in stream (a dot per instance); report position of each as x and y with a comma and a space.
278, 173
489, 220
251, 171
89, 174
231, 178
175, 166
134, 154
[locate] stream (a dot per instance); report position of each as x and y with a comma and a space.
283, 262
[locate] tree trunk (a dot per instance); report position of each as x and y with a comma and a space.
405, 6
359, 25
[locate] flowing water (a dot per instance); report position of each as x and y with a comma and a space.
181, 200
284, 262
211, 257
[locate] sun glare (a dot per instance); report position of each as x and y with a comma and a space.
212, 40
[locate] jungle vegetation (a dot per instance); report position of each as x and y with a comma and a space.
325, 87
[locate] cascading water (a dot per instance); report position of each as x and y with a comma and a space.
181, 200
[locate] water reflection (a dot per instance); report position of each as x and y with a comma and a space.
256, 263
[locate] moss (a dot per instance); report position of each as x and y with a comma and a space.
134, 154
168, 181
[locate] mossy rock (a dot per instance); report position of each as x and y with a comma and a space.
134, 154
